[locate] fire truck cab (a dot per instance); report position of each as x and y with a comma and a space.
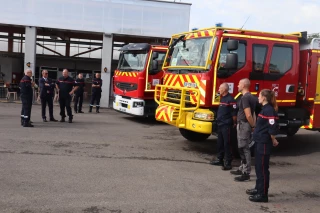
139, 71
198, 62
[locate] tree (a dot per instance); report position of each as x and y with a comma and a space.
314, 35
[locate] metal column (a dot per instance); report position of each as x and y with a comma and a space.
30, 49
106, 60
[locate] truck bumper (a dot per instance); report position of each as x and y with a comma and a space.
132, 106
197, 125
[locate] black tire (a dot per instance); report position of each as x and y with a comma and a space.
193, 136
292, 131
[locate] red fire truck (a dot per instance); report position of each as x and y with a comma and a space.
198, 62
139, 71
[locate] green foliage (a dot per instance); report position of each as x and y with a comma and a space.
314, 35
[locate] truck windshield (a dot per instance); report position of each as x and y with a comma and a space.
191, 52
132, 61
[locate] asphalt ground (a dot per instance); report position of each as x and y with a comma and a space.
110, 162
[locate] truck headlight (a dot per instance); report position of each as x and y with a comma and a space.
206, 116
137, 104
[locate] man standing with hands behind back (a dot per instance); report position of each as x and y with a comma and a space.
245, 126
66, 87
226, 119
46, 95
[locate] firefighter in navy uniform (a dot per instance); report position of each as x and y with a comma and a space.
226, 120
79, 94
96, 92
26, 92
66, 87
264, 136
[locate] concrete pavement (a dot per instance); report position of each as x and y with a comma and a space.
110, 162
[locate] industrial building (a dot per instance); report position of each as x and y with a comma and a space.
82, 36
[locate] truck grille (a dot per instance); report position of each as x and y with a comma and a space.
126, 86
174, 96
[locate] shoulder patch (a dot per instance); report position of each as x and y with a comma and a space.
271, 121
234, 106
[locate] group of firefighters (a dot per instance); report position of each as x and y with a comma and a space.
261, 129
66, 86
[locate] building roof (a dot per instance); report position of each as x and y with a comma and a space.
169, 1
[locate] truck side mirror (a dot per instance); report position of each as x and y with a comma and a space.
231, 61
155, 55
232, 45
154, 65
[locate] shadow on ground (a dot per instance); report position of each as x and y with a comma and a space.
300, 144
143, 120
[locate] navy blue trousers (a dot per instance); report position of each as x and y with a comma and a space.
26, 107
95, 98
262, 159
224, 143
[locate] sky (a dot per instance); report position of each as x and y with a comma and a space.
283, 16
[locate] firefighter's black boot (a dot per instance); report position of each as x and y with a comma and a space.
97, 109
227, 166
62, 119
27, 124
90, 109
218, 162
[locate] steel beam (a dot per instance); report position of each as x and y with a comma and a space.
49, 49
94, 49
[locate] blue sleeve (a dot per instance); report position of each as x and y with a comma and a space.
41, 83
273, 122
52, 84
234, 106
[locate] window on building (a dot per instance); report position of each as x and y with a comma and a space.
259, 57
3, 42
19, 44
281, 59
50, 46
89, 50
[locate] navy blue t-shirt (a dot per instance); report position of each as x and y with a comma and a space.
226, 110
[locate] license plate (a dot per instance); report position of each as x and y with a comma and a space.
122, 109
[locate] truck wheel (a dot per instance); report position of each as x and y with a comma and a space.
193, 136
292, 131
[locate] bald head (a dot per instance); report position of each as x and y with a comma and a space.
223, 89
244, 85
65, 73
225, 86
